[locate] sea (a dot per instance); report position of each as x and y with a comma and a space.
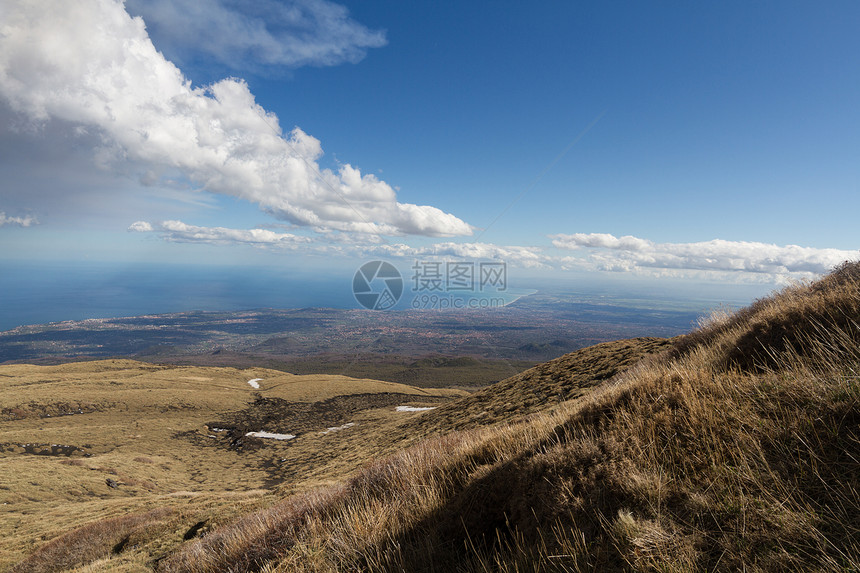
40, 293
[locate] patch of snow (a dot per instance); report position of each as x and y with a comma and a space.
413, 408
270, 435
255, 383
218, 429
338, 428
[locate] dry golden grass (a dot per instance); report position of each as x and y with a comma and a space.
534, 390
740, 453
93, 541
794, 321
66, 430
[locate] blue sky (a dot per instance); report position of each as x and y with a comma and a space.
676, 140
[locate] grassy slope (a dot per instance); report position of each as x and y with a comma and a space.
65, 430
565, 378
741, 451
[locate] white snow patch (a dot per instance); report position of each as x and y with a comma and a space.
255, 383
413, 408
338, 428
218, 429
270, 435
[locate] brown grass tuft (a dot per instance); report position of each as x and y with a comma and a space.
90, 542
792, 322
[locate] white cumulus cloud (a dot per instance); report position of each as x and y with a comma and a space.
179, 232
601, 240
91, 64
628, 253
27, 221
140, 227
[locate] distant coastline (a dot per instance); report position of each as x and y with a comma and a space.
42, 293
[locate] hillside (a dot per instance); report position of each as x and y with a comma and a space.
740, 451
89, 440
736, 447
565, 378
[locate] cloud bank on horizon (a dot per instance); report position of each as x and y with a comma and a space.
91, 64
631, 254
179, 232
754, 261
